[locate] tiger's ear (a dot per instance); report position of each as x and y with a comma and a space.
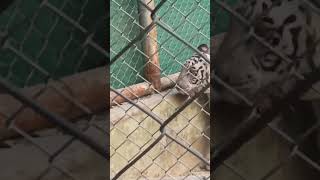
203, 48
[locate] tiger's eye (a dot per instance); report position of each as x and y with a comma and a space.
292, 18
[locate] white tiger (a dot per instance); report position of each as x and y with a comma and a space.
288, 26
195, 73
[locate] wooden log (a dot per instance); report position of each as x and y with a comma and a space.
141, 89
88, 88
150, 45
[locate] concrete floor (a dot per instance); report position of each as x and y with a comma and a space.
132, 131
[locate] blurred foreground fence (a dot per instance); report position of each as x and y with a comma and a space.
51, 66
254, 145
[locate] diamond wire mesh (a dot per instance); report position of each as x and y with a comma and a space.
189, 19
42, 41
284, 153
26, 24
150, 136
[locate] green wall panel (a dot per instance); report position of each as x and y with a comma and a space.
47, 39
188, 19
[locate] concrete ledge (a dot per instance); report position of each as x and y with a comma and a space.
132, 131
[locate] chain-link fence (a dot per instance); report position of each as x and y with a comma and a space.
281, 141
51, 53
156, 133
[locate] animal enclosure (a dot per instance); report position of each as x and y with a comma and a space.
156, 133
254, 146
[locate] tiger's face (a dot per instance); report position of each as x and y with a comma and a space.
248, 66
195, 73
